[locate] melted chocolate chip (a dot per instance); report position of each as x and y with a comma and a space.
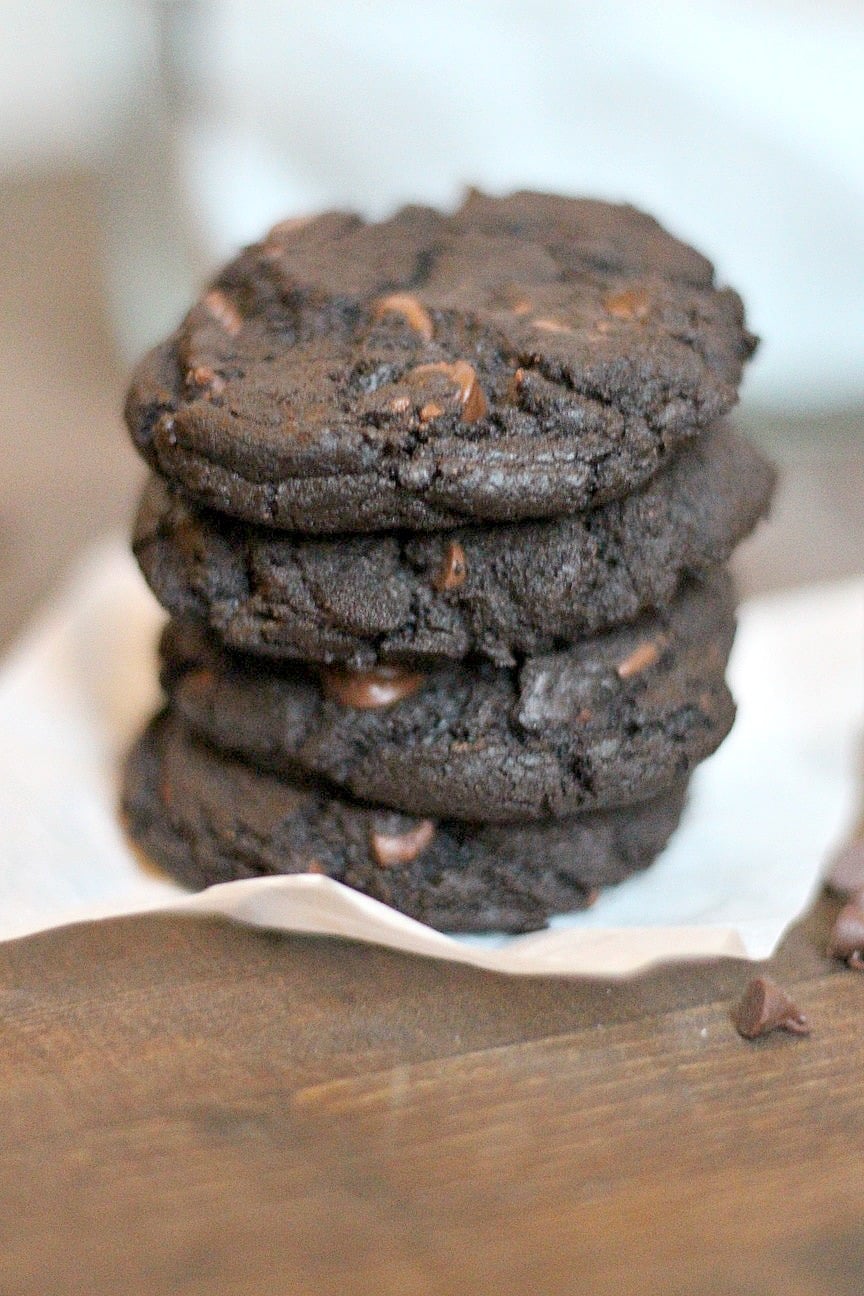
547, 325
389, 852
763, 1008
469, 394
414, 314
431, 410
453, 570
847, 935
224, 312
641, 658
206, 380
630, 304
369, 690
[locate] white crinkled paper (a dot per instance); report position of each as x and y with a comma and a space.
763, 812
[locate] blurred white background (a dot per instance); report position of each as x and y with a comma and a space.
739, 124
141, 143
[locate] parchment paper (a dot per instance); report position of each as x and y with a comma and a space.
763, 814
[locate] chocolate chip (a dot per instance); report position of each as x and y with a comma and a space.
391, 851
453, 570
224, 312
643, 655
630, 304
167, 427
371, 689
763, 1008
515, 385
205, 378
551, 326
847, 935
470, 398
431, 410
414, 314
846, 874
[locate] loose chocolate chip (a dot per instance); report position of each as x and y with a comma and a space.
453, 570
391, 851
369, 690
847, 935
224, 312
414, 314
846, 874
644, 655
763, 1008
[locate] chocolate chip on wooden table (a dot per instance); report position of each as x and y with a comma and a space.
765, 1007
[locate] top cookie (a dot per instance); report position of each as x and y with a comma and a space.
528, 356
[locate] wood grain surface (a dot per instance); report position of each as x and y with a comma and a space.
188, 1107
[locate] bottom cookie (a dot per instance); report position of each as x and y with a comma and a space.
206, 818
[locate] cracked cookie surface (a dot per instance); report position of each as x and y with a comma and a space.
206, 819
493, 591
528, 356
609, 722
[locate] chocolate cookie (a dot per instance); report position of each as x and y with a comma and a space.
495, 591
608, 722
525, 357
209, 819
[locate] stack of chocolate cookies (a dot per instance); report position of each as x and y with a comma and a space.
440, 509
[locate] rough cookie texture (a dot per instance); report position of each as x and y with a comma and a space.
525, 357
208, 819
495, 591
611, 721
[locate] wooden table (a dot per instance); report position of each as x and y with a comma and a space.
188, 1107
